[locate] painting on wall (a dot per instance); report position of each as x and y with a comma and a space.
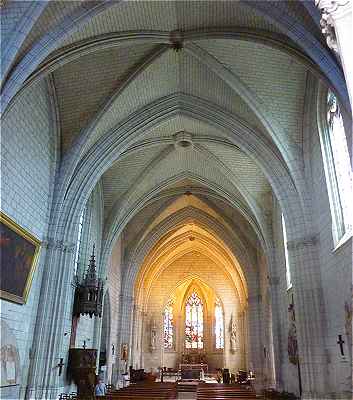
19, 252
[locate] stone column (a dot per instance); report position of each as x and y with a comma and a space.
53, 324
97, 337
246, 338
180, 334
255, 335
126, 311
277, 329
241, 339
336, 24
269, 362
309, 313
144, 325
134, 335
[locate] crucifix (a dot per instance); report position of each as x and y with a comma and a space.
340, 342
60, 365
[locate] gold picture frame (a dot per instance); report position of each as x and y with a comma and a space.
19, 254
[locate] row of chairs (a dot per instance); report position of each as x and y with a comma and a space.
68, 396
145, 391
219, 391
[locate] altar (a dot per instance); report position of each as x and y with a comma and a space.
193, 365
193, 371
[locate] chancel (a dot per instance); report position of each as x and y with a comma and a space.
176, 199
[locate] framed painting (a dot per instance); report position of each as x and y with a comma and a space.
18, 257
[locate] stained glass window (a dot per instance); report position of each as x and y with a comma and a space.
194, 322
168, 326
219, 328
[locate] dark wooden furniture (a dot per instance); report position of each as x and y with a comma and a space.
223, 392
82, 370
171, 373
145, 391
242, 377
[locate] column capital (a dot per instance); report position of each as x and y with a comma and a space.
255, 299
274, 280
126, 298
305, 241
52, 244
137, 307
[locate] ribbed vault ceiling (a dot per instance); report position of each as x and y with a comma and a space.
171, 16
190, 241
99, 91
103, 72
155, 214
124, 59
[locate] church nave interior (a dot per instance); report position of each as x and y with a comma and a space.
176, 185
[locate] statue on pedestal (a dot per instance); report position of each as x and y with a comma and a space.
233, 335
153, 343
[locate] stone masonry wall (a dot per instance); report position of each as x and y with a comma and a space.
29, 156
167, 281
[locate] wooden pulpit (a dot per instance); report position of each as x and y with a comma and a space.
82, 370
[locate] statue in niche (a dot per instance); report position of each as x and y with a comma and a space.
124, 352
153, 343
233, 335
9, 357
333, 109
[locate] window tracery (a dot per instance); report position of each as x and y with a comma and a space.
194, 322
219, 325
168, 326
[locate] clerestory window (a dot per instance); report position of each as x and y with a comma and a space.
286, 258
78, 243
338, 169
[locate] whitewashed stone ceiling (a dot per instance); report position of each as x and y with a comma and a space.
119, 60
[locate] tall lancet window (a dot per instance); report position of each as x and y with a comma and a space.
79, 239
168, 326
219, 326
338, 169
288, 275
194, 322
